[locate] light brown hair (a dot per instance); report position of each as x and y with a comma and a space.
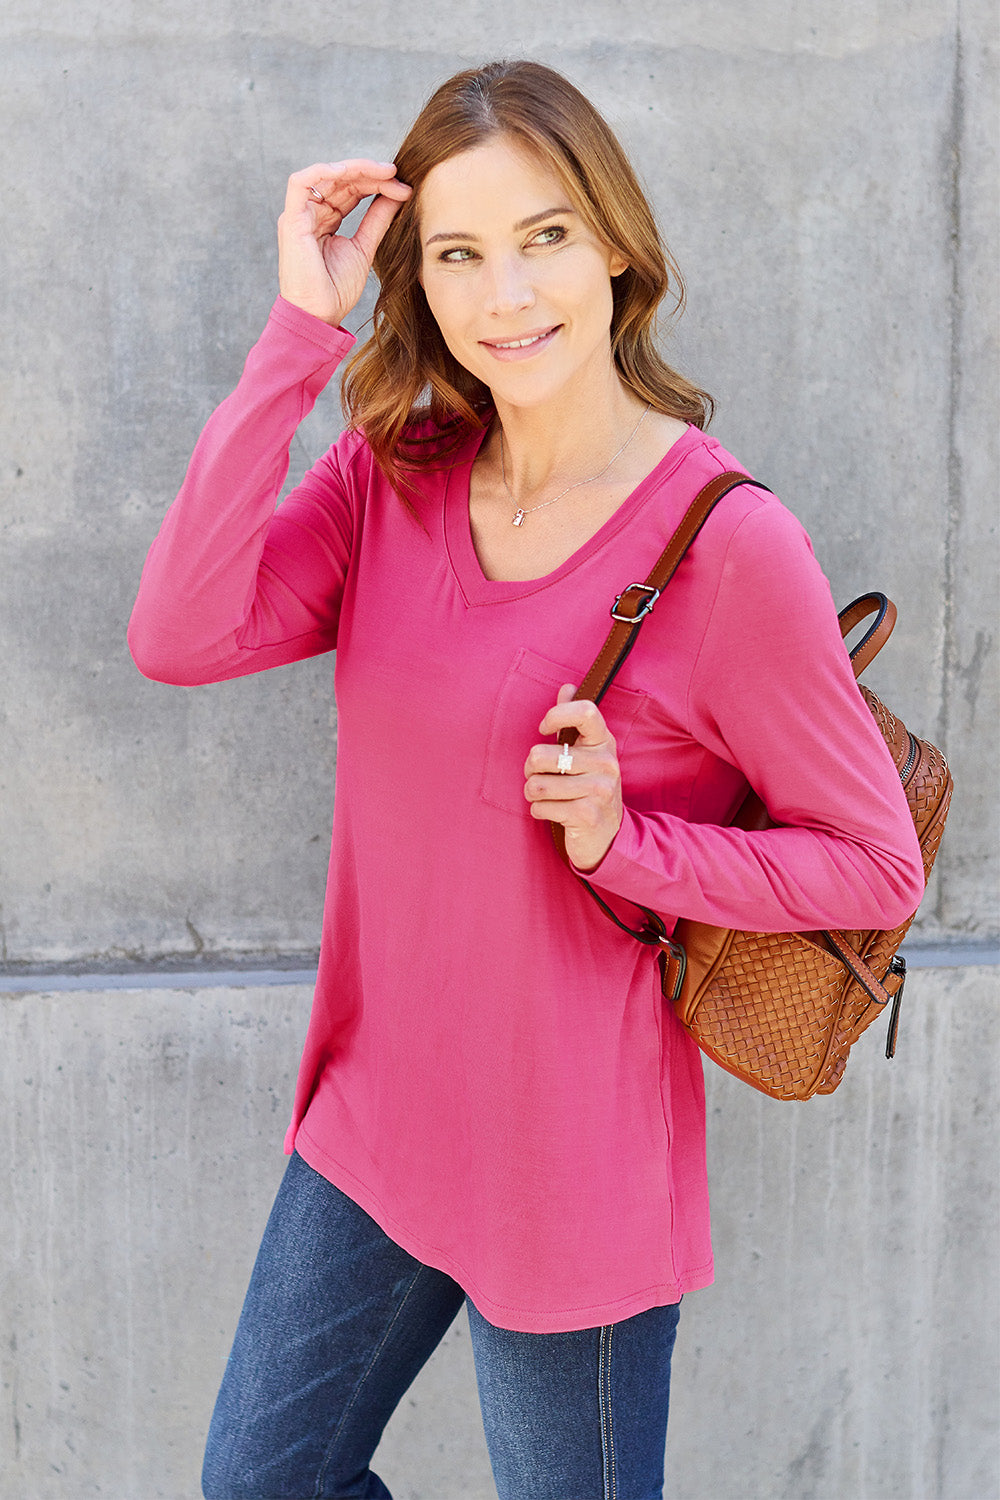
405, 373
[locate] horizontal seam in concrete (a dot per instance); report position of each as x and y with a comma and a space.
155, 979
968, 955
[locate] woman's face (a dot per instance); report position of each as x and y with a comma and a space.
520, 287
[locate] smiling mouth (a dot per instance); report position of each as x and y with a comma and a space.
528, 341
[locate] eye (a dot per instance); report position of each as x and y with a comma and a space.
550, 235
456, 257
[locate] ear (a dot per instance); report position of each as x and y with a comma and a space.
618, 263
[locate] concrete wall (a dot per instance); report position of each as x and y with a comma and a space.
826, 176
846, 1352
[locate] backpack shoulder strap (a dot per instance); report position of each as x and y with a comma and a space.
629, 610
636, 601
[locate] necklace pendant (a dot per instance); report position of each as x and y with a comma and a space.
518, 517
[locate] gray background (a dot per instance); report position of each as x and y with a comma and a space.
827, 178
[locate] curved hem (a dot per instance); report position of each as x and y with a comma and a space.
558, 1320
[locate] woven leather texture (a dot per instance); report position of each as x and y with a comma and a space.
779, 1010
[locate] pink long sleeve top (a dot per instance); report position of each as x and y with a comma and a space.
490, 1070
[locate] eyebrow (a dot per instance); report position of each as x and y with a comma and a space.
528, 223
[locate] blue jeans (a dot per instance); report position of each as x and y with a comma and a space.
337, 1322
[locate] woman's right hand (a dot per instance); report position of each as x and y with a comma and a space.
319, 270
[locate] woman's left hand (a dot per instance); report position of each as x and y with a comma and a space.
586, 798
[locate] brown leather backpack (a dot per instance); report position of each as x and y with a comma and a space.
779, 1010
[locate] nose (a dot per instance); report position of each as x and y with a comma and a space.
509, 289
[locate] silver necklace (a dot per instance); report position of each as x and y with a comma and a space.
523, 511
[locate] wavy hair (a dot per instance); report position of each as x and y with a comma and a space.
404, 387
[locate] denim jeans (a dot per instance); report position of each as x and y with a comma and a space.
337, 1322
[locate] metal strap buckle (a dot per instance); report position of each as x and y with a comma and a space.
644, 608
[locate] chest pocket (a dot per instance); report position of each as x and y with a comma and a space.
526, 694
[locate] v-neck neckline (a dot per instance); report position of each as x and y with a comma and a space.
476, 588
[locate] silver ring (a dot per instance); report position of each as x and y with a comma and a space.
565, 761
317, 195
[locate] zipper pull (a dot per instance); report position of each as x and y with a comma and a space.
897, 966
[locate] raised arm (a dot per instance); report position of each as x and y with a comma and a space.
231, 585
319, 269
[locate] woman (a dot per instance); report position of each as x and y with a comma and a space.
494, 1105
